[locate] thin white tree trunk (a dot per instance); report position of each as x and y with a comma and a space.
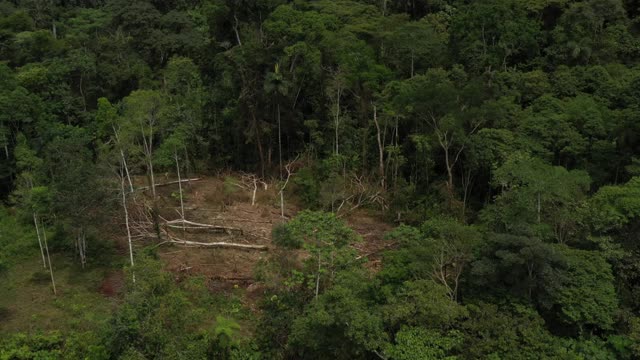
380, 148
148, 152
337, 119
126, 221
126, 169
255, 189
412, 64
318, 277
282, 203
53, 282
84, 246
177, 241
153, 180
279, 141
235, 29
289, 173
179, 186
539, 208
35, 222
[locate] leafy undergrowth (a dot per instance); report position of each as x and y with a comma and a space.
27, 303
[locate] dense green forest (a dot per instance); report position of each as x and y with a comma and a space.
496, 143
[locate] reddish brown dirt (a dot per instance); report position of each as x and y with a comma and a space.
218, 202
371, 229
112, 284
212, 201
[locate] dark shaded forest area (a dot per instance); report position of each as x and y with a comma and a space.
497, 143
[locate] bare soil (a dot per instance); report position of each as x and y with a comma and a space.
224, 201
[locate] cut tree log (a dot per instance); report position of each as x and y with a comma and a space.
186, 224
218, 244
170, 183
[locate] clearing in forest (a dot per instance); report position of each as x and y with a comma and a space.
225, 204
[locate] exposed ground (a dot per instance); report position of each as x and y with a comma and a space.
226, 202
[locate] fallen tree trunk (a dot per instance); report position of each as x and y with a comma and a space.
233, 278
218, 244
170, 183
186, 224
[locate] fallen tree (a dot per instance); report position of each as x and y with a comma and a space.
186, 224
188, 243
169, 183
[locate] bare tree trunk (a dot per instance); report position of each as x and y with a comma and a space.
152, 177
539, 208
179, 186
318, 277
258, 142
235, 29
396, 166
126, 169
337, 119
148, 152
84, 245
289, 173
53, 282
279, 141
380, 149
412, 64
255, 189
84, 100
126, 221
282, 203
466, 185
35, 222
449, 167
81, 246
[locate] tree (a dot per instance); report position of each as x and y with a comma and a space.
522, 266
494, 35
277, 85
537, 199
75, 183
440, 250
416, 46
340, 323
587, 300
422, 344
142, 117
435, 102
326, 238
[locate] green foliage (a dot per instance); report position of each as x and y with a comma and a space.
506, 132
308, 186
158, 318
340, 323
440, 250
326, 238
587, 299
537, 199
16, 240
422, 344
495, 331
616, 206
422, 303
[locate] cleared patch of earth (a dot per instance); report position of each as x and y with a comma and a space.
224, 201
